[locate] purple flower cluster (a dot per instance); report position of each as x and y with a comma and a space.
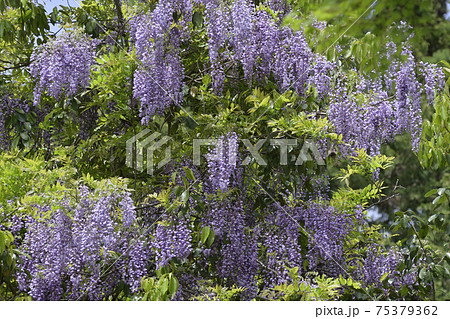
240, 34
253, 38
434, 79
62, 65
408, 94
238, 252
222, 165
363, 123
218, 25
48, 256
327, 229
245, 247
172, 241
280, 6
224, 175
8, 105
82, 250
280, 239
383, 107
158, 80
379, 263
236, 244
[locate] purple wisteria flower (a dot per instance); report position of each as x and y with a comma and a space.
172, 241
158, 80
8, 105
62, 65
235, 245
82, 250
378, 263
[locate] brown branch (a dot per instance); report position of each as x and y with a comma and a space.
120, 20
394, 194
15, 66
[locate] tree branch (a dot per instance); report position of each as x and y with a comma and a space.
118, 7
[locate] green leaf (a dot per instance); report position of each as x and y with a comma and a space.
211, 237
9, 260
436, 200
24, 136
405, 221
302, 286
90, 26
404, 291
206, 80
342, 280
2, 242
177, 190
197, 19
423, 232
185, 182
28, 126
173, 285
185, 196
422, 273
383, 278
431, 192
349, 281
164, 285
145, 285
15, 142
54, 16
205, 234
189, 173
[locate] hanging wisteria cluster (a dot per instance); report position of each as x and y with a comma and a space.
309, 215
218, 25
82, 248
8, 105
235, 244
381, 108
282, 248
82, 251
62, 65
242, 34
378, 263
253, 38
246, 248
172, 241
159, 78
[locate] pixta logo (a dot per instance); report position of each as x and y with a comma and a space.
308, 148
144, 144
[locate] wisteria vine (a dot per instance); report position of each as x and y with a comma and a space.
62, 65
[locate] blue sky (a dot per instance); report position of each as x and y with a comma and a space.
49, 4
